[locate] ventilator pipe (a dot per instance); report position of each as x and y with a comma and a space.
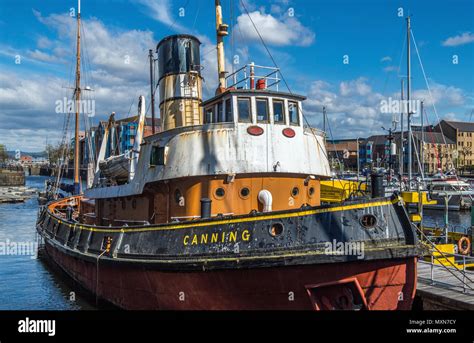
206, 208
265, 197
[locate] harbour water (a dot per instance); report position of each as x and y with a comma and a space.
27, 282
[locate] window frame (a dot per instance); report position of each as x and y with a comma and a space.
227, 106
206, 110
157, 156
249, 118
297, 113
267, 107
282, 102
220, 115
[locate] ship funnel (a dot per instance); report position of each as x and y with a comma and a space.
179, 81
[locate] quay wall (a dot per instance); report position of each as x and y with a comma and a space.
12, 177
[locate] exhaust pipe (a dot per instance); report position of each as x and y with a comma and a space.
265, 197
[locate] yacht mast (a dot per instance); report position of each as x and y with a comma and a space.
402, 152
77, 94
422, 146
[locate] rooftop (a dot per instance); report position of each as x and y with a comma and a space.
464, 126
429, 137
255, 92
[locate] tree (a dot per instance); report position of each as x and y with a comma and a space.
465, 151
3, 153
57, 152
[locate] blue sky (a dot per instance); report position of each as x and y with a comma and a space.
308, 46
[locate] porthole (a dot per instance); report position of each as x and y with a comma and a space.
245, 192
219, 193
276, 229
369, 221
295, 191
311, 191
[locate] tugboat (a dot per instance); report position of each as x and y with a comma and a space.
221, 209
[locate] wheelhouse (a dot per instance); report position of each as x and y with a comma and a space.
254, 107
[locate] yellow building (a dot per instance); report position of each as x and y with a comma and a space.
462, 133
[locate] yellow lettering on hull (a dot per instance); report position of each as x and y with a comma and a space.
216, 238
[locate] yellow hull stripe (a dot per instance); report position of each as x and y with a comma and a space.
274, 256
237, 220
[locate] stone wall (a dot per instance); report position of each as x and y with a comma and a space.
10, 177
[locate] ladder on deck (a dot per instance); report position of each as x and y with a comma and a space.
191, 106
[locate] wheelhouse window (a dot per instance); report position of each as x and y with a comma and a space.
278, 112
220, 112
243, 105
228, 110
293, 113
209, 115
262, 110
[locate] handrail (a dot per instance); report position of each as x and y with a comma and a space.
444, 255
250, 72
463, 281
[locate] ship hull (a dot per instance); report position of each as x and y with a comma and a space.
279, 260
274, 288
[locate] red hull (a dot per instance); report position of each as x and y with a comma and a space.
287, 288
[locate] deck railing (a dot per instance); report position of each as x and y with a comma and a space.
247, 76
459, 273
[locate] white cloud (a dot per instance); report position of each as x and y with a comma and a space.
161, 11
275, 31
354, 108
42, 56
390, 68
114, 53
118, 74
442, 95
465, 38
44, 42
450, 116
386, 59
355, 87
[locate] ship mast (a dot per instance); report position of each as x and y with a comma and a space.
221, 32
77, 94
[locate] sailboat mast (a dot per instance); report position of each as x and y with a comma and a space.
221, 32
422, 150
408, 104
402, 134
77, 93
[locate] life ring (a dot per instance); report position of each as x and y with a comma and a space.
464, 245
